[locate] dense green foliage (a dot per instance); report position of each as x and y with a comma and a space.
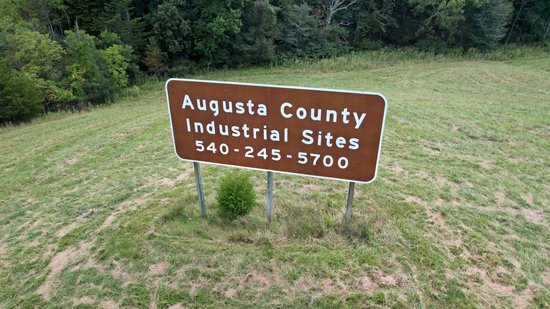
19, 99
80, 52
236, 195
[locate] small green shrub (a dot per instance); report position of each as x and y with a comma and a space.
235, 195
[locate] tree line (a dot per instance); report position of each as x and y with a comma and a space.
58, 54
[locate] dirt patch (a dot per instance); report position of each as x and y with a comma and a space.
123, 208
3, 250
108, 304
57, 264
183, 176
414, 199
92, 263
422, 175
436, 218
109, 221
264, 279
120, 274
535, 216
327, 286
196, 285
532, 215
367, 285
230, 293
66, 229
465, 254
546, 278
432, 150
167, 182
516, 264
486, 164
176, 306
305, 283
311, 187
498, 289
72, 161
449, 237
69, 255
528, 197
180, 273
261, 278
501, 197
171, 182
387, 281
501, 271
157, 269
84, 300
470, 271
492, 290
524, 298
398, 169
440, 180
508, 210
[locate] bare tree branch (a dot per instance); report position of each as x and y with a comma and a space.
331, 7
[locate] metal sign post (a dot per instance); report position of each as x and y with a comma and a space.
200, 193
269, 195
350, 201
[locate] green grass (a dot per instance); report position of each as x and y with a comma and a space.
96, 210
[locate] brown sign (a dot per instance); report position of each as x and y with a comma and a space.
317, 132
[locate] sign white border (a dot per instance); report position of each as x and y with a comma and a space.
284, 87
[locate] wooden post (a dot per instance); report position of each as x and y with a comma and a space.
350, 201
200, 193
269, 195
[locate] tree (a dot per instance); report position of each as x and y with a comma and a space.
106, 39
531, 21
171, 30
302, 36
44, 15
255, 42
369, 21
83, 14
155, 59
118, 63
37, 57
117, 18
119, 57
439, 19
32, 53
214, 24
19, 99
88, 75
485, 24
331, 7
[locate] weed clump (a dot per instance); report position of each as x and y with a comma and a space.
236, 195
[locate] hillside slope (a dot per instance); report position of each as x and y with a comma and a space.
96, 210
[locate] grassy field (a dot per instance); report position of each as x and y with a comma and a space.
97, 211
